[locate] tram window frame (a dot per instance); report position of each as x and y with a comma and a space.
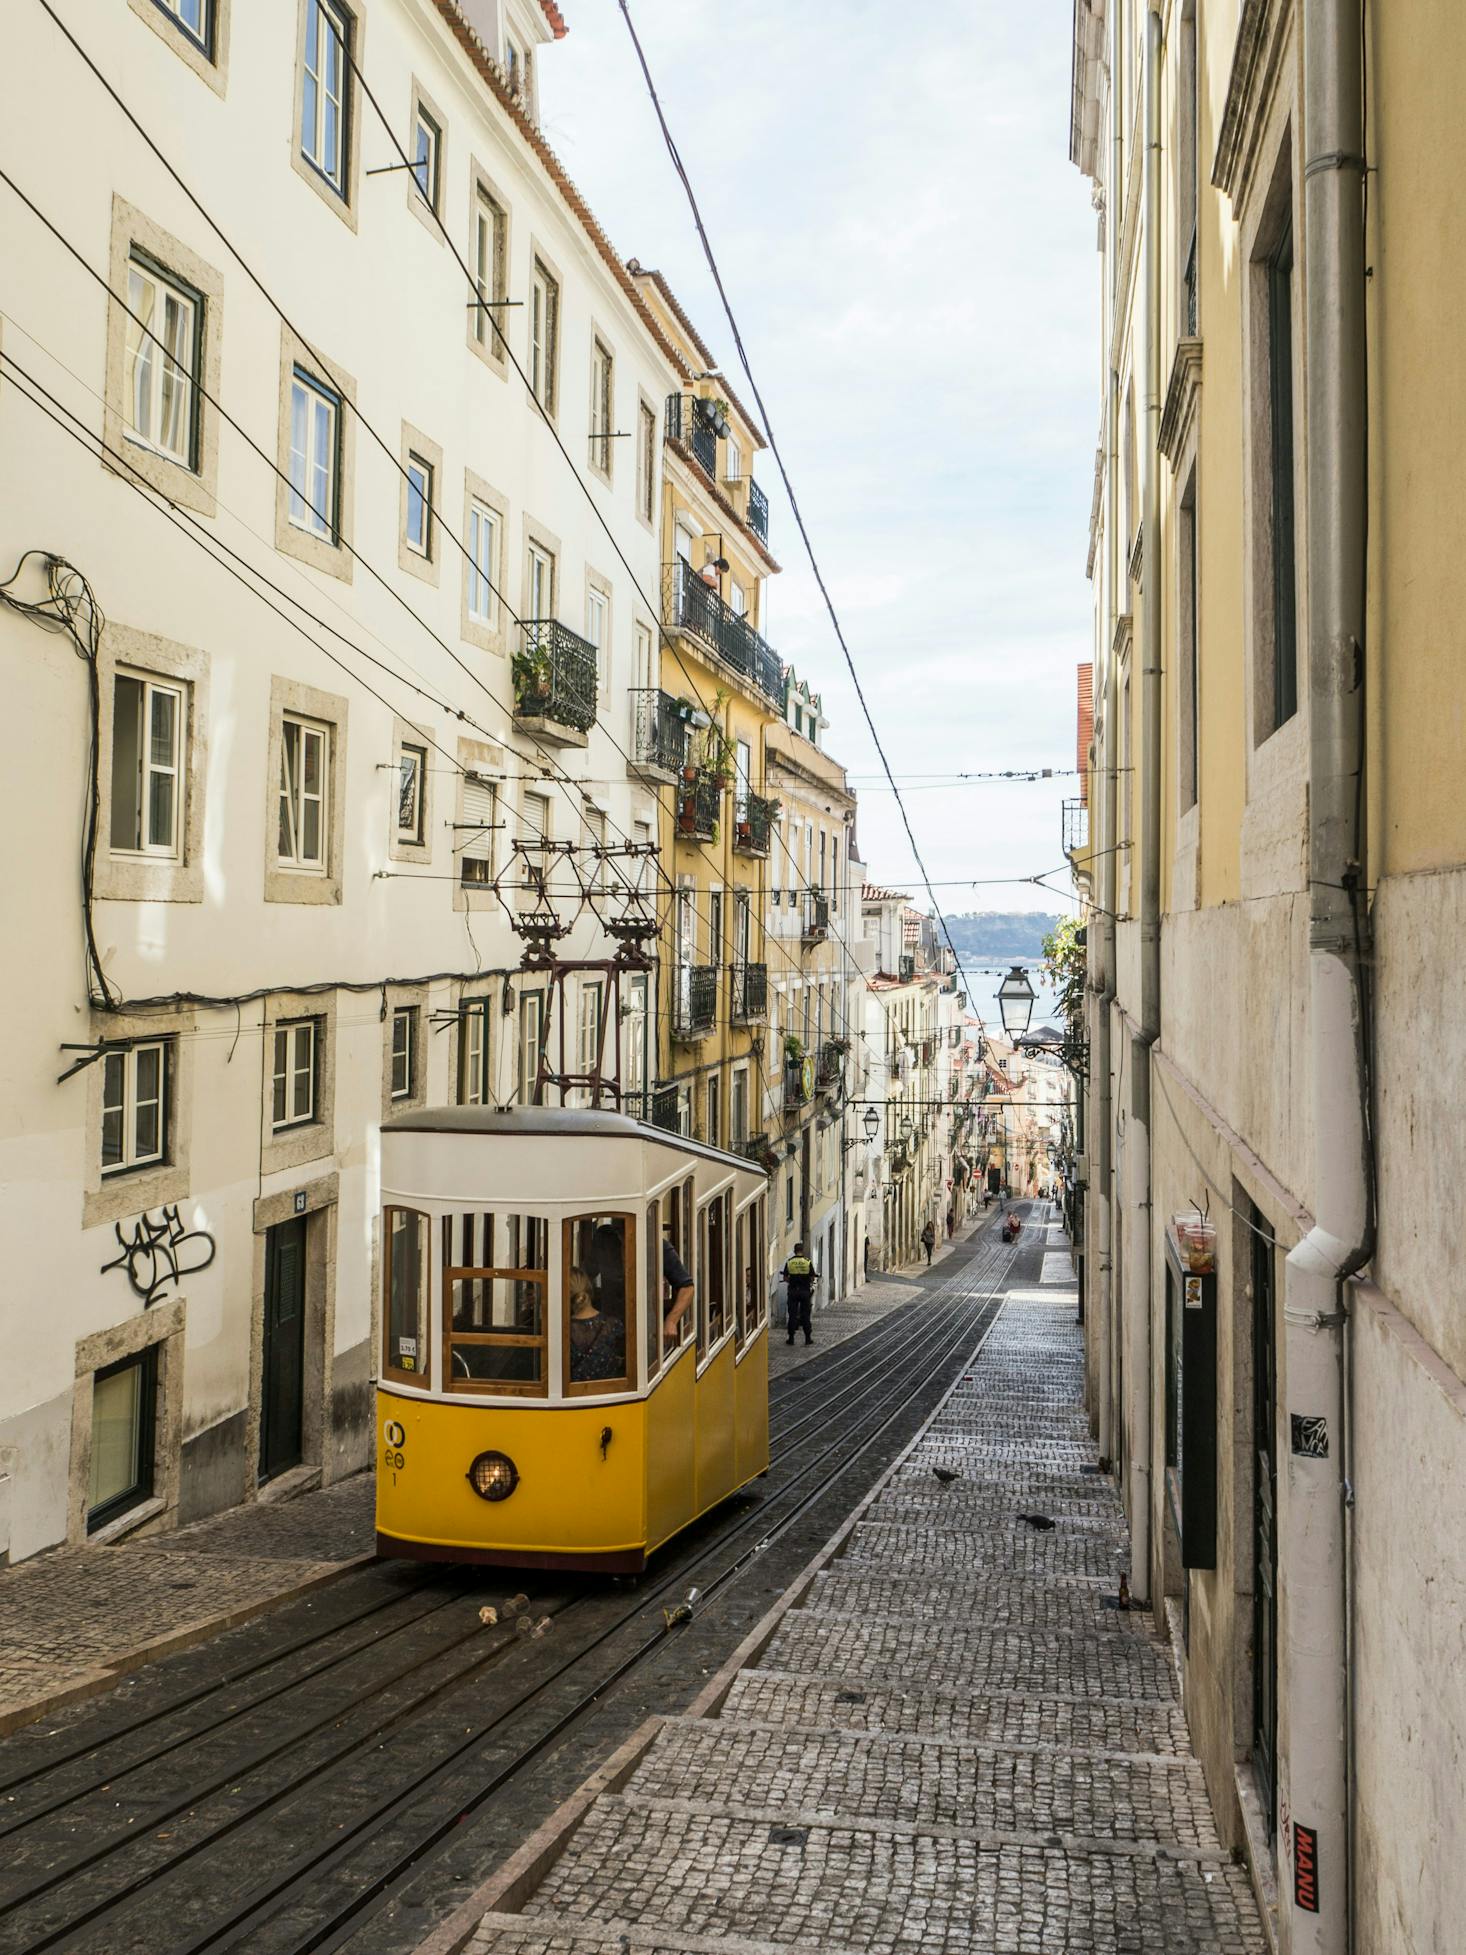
751, 1289
626, 1381
655, 1306
495, 1271
422, 1377
678, 1214
709, 1338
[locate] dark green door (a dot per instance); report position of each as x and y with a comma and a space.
1264, 1514
282, 1372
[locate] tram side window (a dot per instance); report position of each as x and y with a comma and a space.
654, 1300
748, 1271
600, 1301
712, 1272
495, 1277
405, 1282
676, 1330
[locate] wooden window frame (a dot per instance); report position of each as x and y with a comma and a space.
422, 1378
600, 1387
515, 1340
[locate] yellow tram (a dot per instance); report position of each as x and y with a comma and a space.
548, 1397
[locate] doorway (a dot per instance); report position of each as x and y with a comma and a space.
282, 1373
1264, 1516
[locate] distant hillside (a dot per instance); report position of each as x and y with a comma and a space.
1000, 933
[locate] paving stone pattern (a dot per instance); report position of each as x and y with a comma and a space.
80, 1617
957, 1742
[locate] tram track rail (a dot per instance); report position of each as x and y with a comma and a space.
97, 1889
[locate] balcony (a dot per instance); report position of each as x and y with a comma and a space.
659, 735
906, 969
1075, 816
797, 1085
694, 425
815, 922
758, 511
660, 1107
750, 993
831, 1064
753, 824
691, 606
761, 1150
555, 683
699, 802
694, 1001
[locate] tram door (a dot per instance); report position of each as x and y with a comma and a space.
282, 1370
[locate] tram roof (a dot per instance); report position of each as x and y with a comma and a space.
563, 1123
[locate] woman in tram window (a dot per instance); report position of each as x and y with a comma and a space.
597, 1339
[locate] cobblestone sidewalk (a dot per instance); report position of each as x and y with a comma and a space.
956, 1742
73, 1622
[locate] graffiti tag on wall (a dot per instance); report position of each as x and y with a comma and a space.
157, 1251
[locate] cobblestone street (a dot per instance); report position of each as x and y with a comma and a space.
954, 1740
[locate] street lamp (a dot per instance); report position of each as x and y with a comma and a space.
872, 1123
1015, 1002
907, 1130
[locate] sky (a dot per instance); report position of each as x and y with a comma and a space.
912, 260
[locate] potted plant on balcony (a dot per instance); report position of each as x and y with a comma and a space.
532, 673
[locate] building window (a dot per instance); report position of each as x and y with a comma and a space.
476, 832
646, 463
531, 1043
733, 461
601, 395
147, 738
789, 1200
715, 1111
164, 342
1190, 664
1280, 377
1187, 199
315, 456
412, 768
304, 767
404, 1052
296, 1046
325, 96
544, 333
426, 149
124, 1408
419, 518
598, 629
135, 1108
541, 585
195, 18
592, 1011
483, 563
513, 66
490, 229
473, 1052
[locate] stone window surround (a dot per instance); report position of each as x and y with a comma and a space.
315, 1139
335, 558
347, 208
484, 989
150, 878
406, 734
212, 68
398, 997
428, 568
160, 1328
539, 256
602, 466
477, 757
322, 1197
644, 402
491, 350
301, 885
195, 489
428, 215
485, 637
128, 1192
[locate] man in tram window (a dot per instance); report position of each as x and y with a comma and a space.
800, 1275
677, 1286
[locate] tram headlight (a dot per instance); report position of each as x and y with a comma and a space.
493, 1476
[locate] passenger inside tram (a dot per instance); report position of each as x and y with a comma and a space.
597, 1339
596, 1320
677, 1292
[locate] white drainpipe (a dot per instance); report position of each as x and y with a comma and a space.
1314, 1777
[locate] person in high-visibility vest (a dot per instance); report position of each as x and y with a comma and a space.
800, 1277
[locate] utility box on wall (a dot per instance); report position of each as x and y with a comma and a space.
1191, 1390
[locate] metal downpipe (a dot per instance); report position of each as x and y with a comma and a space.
1314, 1774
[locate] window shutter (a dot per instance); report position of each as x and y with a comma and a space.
478, 823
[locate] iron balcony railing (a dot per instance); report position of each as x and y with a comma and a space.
794, 1093
698, 803
753, 824
555, 675
695, 1003
659, 739
831, 1064
758, 511
692, 606
660, 1106
693, 423
906, 970
1075, 816
750, 992
816, 924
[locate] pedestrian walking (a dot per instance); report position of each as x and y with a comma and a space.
800, 1277
929, 1242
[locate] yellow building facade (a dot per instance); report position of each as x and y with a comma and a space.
1275, 854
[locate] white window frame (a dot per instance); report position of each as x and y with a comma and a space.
420, 490
145, 766
646, 457
202, 36
175, 313
544, 333
427, 151
484, 531
296, 1054
295, 732
318, 454
337, 23
733, 460
514, 65
404, 1054
120, 1095
531, 1042
476, 836
602, 402
598, 630
490, 234
473, 1052
592, 1015
540, 592
412, 767
532, 806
